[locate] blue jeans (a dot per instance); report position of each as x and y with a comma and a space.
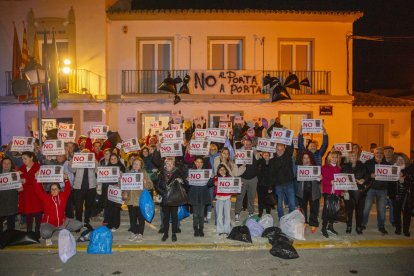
283, 191
380, 199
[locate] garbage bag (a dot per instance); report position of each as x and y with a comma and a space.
266, 221
13, 237
100, 241
176, 194
240, 233
146, 205
293, 225
334, 208
284, 250
255, 217
182, 212
67, 245
255, 228
271, 232
280, 237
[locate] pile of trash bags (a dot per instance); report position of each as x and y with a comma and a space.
12, 237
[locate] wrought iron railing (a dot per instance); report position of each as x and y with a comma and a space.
148, 81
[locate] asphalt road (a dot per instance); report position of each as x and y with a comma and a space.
361, 261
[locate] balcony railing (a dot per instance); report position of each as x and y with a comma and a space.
79, 81
147, 81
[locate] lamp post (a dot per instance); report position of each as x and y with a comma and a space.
36, 74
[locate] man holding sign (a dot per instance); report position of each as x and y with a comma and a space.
313, 146
378, 189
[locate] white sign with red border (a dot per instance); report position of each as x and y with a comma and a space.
282, 136
115, 194
387, 172
312, 126
345, 182
53, 147
66, 135
343, 147
10, 181
171, 136
99, 131
83, 160
226, 125
65, 126
199, 177
199, 147
243, 157
229, 185
108, 174
21, 144
267, 145
200, 134
218, 135
365, 156
131, 145
50, 174
309, 173
171, 149
132, 181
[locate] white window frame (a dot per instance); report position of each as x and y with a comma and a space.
156, 43
225, 42
294, 44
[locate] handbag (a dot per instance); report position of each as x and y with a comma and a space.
175, 194
334, 208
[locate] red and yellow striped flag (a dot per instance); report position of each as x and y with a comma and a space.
17, 56
25, 58
36, 56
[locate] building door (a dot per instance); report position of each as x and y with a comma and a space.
369, 133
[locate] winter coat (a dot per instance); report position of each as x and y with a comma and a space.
54, 206
164, 184
376, 184
316, 190
233, 169
264, 173
318, 154
132, 197
360, 171
328, 172
29, 203
282, 168
79, 178
199, 195
8, 201
250, 171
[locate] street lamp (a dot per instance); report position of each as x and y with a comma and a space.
36, 75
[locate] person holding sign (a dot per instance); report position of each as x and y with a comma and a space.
223, 203
309, 192
378, 189
29, 204
313, 146
199, 196
54, 205
356, 200
328, 170
264, 183
131, 198
400, 194
8, 198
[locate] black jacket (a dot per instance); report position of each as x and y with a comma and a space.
282, 167
164, 184
375, 184
251, 170
360, 172
200, 195
264, 173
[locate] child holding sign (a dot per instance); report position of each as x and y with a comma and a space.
223, 203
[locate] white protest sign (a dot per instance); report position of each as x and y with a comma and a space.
229, 185
217, 134
239, 120
387, 172
200, 134
22, 143
345, 181
312, 126
131, 145
282, 136
36, 134
225, 118
365, 156
83, 160
266, 145
99, 132
65, 126
114, 194
226, 125
53, 147
295, 141
132, 181
171, 149
156, 125
343, 147
10, 181
108, 174
199, 147
66, 135
50, 174
175, 126
199, 177
171, 136
243, 157
309, 173
177, 120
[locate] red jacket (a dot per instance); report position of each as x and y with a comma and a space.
215, 188
98, 155
328, 172
54, 206
28, 201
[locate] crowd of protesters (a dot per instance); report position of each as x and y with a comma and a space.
271, 178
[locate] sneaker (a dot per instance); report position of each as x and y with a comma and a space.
237, 218
113, 230
139, 238
325, 233
205, 220
332, 231
132, 237
383, 231
209, 215
251, 214
49, 242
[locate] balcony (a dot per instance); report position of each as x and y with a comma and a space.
78, 82
135, 82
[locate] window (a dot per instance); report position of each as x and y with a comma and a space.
226, 54
148, 118
214, 117
155, 60
295, 56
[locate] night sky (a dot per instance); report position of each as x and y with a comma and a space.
388, 64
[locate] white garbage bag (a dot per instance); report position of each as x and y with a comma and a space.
293, 225
67, 245
266, 221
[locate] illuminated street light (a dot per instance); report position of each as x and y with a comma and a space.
66, 61
66, 70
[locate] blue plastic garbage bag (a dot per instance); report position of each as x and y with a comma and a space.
182, 212
146, 204
100, 241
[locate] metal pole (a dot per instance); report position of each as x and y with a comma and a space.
39, 114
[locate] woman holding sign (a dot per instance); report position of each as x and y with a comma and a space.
29, 203
8, 198
223, 203
131, 198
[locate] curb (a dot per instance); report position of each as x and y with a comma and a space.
229, 247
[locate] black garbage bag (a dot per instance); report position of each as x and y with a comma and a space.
270, 232
331, 208
240, 233
176, 194
284, 250
280, 238
15, 237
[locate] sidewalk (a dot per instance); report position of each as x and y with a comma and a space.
211, 241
